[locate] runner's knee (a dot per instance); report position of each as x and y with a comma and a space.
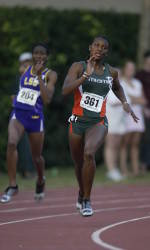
89, 155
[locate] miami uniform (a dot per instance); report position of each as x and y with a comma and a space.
90, 101
28, 104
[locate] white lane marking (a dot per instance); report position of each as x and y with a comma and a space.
96, 236
134, 194
55, 199
70, 205
37, 218
69, 214
35, 208
120, 208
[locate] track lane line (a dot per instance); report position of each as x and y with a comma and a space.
74, 213
31, 200
11, 210
96, 236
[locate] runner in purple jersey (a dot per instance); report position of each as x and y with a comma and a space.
37, 86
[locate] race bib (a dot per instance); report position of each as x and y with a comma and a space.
91, 102
27, 96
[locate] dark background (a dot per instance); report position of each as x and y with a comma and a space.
68, 34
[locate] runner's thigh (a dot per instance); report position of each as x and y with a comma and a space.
15, 131
76, 146
94, 137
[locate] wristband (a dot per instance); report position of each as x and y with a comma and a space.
85, 75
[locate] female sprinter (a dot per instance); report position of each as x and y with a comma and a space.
37, 86
90, 82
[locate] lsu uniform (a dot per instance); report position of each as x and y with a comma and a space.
28, 104
90, 101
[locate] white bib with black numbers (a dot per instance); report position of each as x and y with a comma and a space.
27, 96
91, 102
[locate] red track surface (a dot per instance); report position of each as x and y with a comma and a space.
54, 224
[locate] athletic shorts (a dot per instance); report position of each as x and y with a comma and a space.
79, 125
31, 121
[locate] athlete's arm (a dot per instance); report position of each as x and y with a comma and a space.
119, 92
47, 91
76, 76
73, 79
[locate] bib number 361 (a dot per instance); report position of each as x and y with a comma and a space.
91, 102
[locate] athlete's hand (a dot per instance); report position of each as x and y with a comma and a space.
128, 109
90, 65
39, 68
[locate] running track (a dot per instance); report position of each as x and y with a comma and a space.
121, 220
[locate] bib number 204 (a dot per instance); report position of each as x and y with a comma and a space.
27, 95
